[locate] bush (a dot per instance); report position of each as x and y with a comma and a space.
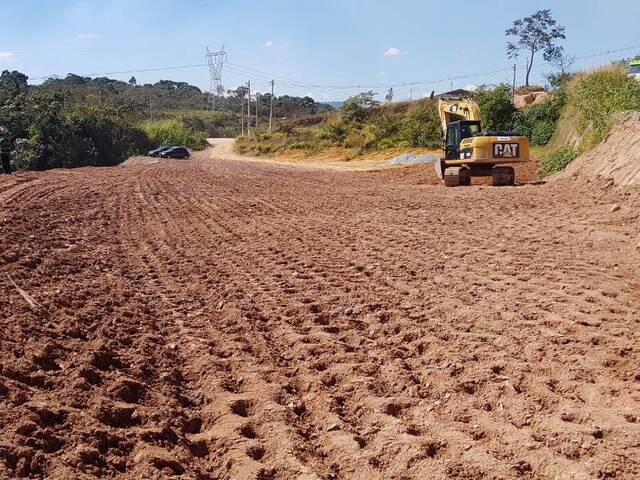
496, 107
173, 132
335, 131
212, 124
539, 122
558, 161
355, 108
50, 134
383, 129
421, 127
355, 140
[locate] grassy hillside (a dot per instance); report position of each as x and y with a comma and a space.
576, 116
594, 102
361, 126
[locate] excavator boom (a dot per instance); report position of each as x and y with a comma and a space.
452, 108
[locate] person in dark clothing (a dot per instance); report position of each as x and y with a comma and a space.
5, 155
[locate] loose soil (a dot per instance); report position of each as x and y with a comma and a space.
226, 319
616, 158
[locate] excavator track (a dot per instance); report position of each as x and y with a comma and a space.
457, 177
503, 176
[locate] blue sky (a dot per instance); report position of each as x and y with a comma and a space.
324, 43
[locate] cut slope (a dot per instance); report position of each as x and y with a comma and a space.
618, 157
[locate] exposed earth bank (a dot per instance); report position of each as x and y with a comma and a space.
226, 319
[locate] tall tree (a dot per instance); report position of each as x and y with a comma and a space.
12, 84
538, 32
389, 96
133, 81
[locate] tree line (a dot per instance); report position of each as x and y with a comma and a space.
79, 121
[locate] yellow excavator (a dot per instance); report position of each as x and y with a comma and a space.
470, 152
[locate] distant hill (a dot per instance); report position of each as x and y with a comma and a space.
335, 104
169, 96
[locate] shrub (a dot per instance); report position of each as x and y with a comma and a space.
558, 161
542, 132
383, 129
212, 124
335, 131
496, 107
173, 132
538, 122
421, 127
355, 108
355, 140
50, 134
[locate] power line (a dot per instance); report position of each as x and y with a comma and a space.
325, 89
426, 82
257, 74
127, 72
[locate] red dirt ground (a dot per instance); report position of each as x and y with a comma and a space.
218, 319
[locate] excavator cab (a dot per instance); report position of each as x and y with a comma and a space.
456, 132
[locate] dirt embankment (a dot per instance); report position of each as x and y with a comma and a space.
617, 157
226, 319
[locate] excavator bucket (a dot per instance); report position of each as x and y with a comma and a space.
439, 166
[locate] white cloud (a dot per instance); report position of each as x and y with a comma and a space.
268, 44
6, 56
394, 52
88, 36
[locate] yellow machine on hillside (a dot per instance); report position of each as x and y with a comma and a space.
470, 152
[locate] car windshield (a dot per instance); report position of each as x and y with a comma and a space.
634, 69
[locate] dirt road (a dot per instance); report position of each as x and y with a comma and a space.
221, 319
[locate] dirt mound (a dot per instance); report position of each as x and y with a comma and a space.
618, 157
232, 320
531, 98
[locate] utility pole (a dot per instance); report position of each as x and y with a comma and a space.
242, 111
513, 90
257, 98
215, 61
411, 94
271, 107
249, 107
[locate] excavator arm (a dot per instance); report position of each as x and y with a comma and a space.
452, 108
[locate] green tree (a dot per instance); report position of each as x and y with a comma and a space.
355, 108
496, 107
12, 84
133, 81
538, 32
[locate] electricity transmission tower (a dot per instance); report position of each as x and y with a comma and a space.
215, 60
